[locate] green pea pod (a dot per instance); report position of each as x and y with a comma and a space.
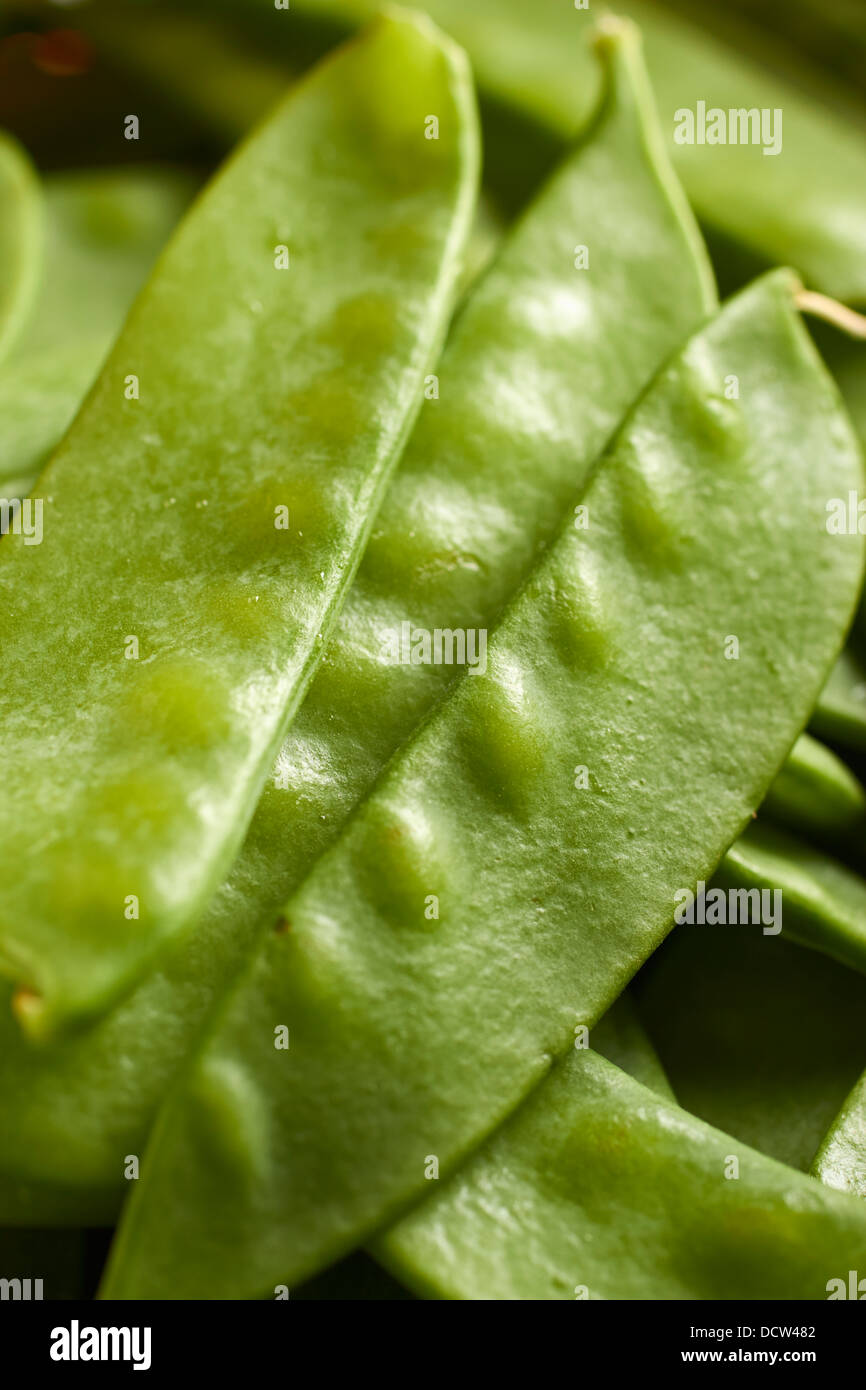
796, 206
846, 357
20, 240
817, 794
103, 231
611, 1191
824, 903
485, 899
40, 396
533, 381
759, 1038
620, 1038
840, 714
726, 1010
841, 1158
252, 410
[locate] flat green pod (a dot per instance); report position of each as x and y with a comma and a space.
824, 902
599, 1188
840, 714
159, 634
20, 240
104, 228
454, 1246
797, 205
841, 1158
483, 903
534, 378
817, 794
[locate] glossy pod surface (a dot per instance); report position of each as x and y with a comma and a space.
841, 1158
156, 642
532, 382
530, 1216
725, 1004
477, 873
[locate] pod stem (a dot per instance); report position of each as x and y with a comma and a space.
821, 306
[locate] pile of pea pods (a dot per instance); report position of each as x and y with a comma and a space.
432, 687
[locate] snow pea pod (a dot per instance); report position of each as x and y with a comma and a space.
840, 714
818, 795
253, 408
841, 1158
39, 397
611, 1191
534, 379
726, 1009
620, 1038
824, 903
103, 231
20, 240
796, 207
481, 871
726, 1017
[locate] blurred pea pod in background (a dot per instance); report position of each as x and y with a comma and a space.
103, 232
21, 236
203, 74
800, 209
